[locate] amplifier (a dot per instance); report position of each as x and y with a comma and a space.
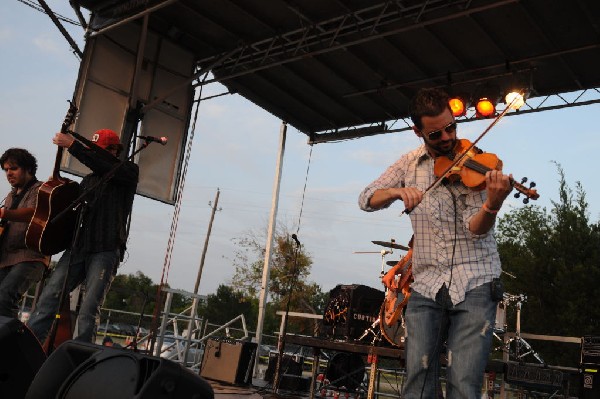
351, 309
533, 376
228, 361
590, 350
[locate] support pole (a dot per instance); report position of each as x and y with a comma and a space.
264, 289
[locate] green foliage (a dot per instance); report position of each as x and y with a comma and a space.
555, 257
137, 292
225, 305
290, 268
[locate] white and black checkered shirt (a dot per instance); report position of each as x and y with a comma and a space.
445, 250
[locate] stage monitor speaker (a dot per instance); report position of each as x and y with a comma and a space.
22, 357
228, 361
84, 370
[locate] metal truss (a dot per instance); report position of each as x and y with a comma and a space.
535, 104
351, 28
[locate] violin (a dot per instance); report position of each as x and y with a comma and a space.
473, 165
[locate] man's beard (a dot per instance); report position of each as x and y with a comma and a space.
444, 147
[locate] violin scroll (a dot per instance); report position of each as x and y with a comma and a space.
528, 192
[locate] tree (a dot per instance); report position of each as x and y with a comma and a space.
137, 292
289, 272
556, 258
225, 305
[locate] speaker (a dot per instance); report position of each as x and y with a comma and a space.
228, 361
590, 388
351, 309
84, 370
22, 357
290, 365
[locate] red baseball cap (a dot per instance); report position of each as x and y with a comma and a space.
105, 137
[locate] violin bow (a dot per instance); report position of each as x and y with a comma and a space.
458, 159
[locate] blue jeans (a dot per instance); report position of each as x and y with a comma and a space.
97, 270
15, 280
467, 330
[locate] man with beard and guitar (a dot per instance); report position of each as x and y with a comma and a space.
100, 242
455, 259
20, 266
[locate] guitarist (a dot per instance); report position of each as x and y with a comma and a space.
19, 266
94, 257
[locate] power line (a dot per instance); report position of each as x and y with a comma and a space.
40, 9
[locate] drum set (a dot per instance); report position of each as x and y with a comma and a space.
390, 323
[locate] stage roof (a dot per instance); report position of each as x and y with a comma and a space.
328, 65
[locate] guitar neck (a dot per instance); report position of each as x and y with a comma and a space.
56, 171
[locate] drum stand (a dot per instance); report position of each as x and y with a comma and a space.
522, 347
374, 328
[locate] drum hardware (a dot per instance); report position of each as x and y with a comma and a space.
522, 348
391, 244
392, 262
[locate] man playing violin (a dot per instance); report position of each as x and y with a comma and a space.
455, 256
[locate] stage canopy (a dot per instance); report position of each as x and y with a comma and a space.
333, 68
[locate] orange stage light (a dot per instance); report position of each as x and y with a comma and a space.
457, 105
485, 108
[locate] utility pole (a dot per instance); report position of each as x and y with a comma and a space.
212, 218
194, 309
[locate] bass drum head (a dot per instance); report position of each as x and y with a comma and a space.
394, 334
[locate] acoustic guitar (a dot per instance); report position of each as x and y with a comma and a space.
44, 233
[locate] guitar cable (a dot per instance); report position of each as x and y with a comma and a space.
439, 343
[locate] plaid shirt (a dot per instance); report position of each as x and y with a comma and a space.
445, 250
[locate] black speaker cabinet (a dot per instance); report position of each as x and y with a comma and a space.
228, 361
290, 365
21, 357
590, 388
351, 309
82, 370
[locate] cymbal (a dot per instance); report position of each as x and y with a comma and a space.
392, 262
390, 245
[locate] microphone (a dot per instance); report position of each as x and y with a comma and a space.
160, 140
295, 238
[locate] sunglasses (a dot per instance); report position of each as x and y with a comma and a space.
436, 134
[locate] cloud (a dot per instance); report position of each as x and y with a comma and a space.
6, 34
47, 44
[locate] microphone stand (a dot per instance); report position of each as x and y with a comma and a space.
281, 341
80, 203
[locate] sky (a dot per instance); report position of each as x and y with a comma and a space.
235, 149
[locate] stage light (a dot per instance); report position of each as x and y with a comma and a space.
514, 100
457, 105
485, 108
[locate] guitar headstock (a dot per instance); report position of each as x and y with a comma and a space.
69, 117
528, 192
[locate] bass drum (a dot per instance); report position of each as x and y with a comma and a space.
393, 333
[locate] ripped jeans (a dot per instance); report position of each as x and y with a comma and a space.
466, 330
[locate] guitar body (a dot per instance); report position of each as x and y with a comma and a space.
44, 234
65, 326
